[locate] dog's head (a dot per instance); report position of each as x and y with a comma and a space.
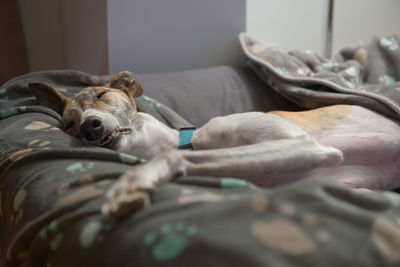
99, 115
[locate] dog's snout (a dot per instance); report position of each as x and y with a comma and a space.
92, 129
95, 123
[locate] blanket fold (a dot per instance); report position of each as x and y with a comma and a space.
365, 74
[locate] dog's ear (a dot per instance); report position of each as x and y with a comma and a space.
127, 82
50, 97
134, 89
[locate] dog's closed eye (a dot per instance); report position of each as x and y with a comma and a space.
69, 125
101, 94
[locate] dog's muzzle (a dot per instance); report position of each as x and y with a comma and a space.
92, 129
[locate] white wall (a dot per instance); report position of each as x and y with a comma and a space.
286, 23
298, 24
169, 35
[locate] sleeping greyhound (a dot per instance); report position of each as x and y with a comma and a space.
352, 145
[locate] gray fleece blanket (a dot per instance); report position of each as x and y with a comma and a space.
365, 74
52, 186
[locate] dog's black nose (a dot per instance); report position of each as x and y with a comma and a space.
92, 129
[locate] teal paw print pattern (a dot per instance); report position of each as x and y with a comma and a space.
329, 66
232, 183
3, 94
352, 71
347, 83
90, 233
283, 71
5, 113
79, 167
389, 43
386, 79
3, 151
353, 76
18, 212
394, 198
170, 241
52, 232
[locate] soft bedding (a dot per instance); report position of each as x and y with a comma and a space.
52, 187
365, 74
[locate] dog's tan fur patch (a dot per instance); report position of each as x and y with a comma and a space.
316, 120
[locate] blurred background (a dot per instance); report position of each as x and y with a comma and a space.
106, 36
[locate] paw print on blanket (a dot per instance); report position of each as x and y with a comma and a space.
90, 233
79, 167
331, 66
3, 150
40, 126
5, 113
38, 143
170, 241
53, 235
292, 233
233, 183
93, 231
389, 43
83, 194
18, 212
83, 181
361, 56
3, 94
188, 197
20, 154
283, 71
385, 232
37, 125
386, 79
385, 235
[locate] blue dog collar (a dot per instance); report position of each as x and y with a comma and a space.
185, 138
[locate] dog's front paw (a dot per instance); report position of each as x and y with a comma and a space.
127, 195
125, 204
133, 189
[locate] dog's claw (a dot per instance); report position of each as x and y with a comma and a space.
125, 204
128, 195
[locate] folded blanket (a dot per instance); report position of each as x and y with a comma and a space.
365, 74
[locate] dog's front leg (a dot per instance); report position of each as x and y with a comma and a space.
133, 189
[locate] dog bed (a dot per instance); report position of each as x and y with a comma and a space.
52, 187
